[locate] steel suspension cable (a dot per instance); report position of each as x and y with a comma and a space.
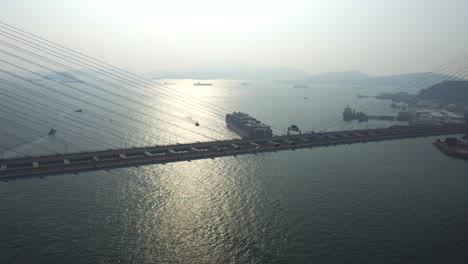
99, 97
91, 114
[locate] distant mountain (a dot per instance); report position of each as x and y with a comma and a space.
346, 77
234, 73
417, 79
447, 91
424, 79
291, 75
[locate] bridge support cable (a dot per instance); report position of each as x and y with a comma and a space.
102, 98
102, 67
103, 120
415, 83
461, 73
112, 71
87, 102
25, 141
12, 150
107, 101
446, 68
100, 70
456, 73
102, 81
41, 134
108, 67
84, 126
70, 133
75, 119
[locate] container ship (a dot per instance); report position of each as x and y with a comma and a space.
202, 84
246, 126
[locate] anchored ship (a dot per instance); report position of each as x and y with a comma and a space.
246, 126
202, 84
348, 114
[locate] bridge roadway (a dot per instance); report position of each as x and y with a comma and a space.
112, 158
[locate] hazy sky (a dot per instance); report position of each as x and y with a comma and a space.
374, 36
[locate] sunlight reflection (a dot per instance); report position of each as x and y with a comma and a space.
199, 204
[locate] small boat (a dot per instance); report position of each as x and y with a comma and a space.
305, 97
168, 83
78, 110
245, 83
52, 132
197, 124
301, 86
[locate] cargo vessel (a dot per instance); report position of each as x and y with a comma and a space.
348, 114
202, 84
246, 126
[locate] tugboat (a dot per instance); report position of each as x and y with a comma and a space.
52, 132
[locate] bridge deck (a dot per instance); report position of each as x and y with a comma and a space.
99, 160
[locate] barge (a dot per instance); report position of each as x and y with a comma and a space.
453, 147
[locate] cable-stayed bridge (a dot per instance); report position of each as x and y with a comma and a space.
100, 160
96, 107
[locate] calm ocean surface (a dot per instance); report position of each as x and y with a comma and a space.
388, 202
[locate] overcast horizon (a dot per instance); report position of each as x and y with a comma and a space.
374, 37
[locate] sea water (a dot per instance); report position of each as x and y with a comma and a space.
388, 202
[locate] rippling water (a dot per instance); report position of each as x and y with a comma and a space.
387, 202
